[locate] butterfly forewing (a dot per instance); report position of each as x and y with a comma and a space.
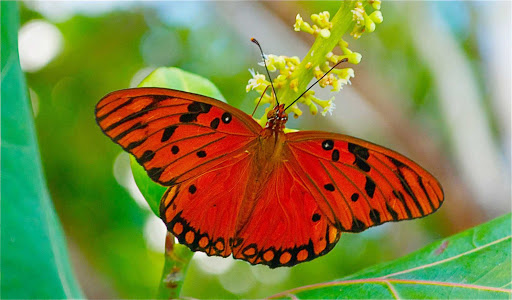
174, 135
365, 184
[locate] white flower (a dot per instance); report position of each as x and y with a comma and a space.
256, 81
329, 108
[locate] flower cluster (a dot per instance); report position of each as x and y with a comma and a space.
259, 83
321, 26
294, 75
363, 21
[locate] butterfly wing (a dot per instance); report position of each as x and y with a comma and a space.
175, 135
207, 152
202, 212
282, 227
363, 184
287, 225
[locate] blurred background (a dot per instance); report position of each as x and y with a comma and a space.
434, 84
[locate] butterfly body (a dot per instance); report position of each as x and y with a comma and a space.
260, 194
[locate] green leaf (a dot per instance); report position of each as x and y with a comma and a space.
177, 79
34, 258
474, 264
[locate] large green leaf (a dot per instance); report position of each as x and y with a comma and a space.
34, 259
474, 264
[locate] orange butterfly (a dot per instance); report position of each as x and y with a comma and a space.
260, 194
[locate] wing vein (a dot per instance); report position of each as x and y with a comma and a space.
296, 162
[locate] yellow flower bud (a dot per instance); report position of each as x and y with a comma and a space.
368, 23
354, 58
313, 108
294, 84
298, 22
377, 17
300, 25
325, 33
375, 4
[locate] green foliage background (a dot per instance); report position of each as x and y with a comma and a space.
102, 223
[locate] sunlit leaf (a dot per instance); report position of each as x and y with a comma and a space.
473, 264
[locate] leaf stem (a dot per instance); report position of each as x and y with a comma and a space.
177, 258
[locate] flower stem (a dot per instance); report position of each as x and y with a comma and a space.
342, 22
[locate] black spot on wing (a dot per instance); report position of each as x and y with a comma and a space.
155, 173
199, 107
175, 149
226, 118
360, 151
168, 132
335, 155
146, 156
357, 225
192, 189
188, 117
354, 197
362, 164
159, 98
135, 144
397, 163
201, 154
328, 145
316, 217
375, 216
215, 123
329, 187
361, 155
369, 187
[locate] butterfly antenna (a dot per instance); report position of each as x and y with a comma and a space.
343, 60
265, 63
252, 115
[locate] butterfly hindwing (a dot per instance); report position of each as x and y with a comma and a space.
365, 184
286, 225
174, 135
202, 212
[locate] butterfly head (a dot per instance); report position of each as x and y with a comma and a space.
276, 118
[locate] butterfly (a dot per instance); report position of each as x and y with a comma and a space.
260, 194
